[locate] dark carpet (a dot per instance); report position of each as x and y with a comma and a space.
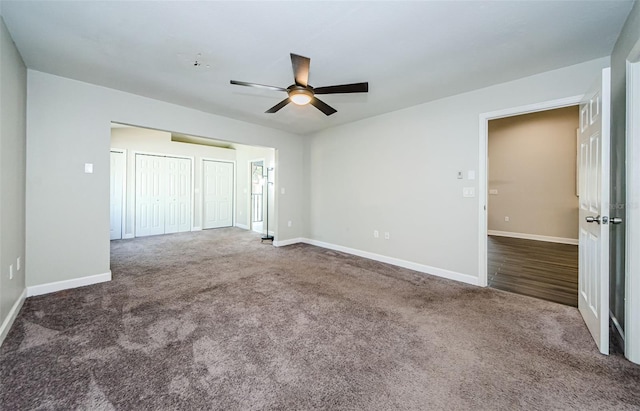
217, 320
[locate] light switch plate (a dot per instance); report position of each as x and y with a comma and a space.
471, 174
88, 168
468, 192
493, 192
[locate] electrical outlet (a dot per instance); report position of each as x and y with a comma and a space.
506, 219
11, 272
18, 263
376, 234
387, 235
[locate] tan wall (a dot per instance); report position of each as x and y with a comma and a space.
532, 164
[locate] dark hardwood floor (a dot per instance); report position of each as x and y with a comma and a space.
535, 268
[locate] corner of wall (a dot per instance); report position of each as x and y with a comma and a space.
13, 80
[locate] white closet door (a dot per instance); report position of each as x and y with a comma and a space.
117, 192
150, 195
178, 202
217, 177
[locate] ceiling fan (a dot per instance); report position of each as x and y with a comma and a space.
301, 93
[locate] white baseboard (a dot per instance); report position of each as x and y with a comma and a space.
282, 243
243, 226
128, 236
561, 240
11, 316
67, 284
439, 272
196, 229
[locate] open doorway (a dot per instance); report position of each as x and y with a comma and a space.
532, 207
593, 248
167, 182
257, 195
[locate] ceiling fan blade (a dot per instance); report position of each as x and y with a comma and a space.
278, 106
322, 106
300, 66
343, 88
244, 83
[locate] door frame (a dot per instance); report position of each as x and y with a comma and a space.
483, 171
150, 153
632, 215
123, 212
233, 187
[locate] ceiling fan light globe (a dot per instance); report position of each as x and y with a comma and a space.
300, 96
300, 99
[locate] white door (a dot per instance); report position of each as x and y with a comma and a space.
217, 195
116, 193
150, 195
178, 200
593, 277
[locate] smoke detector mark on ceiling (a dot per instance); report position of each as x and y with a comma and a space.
199, 63
196, 60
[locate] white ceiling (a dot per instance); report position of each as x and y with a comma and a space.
410, 52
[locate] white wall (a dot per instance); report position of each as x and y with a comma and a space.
397, 173
159, 142
68, 123
13, 100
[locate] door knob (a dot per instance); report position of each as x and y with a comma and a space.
615, 220
592, 219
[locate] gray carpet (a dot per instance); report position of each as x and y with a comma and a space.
217, 320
